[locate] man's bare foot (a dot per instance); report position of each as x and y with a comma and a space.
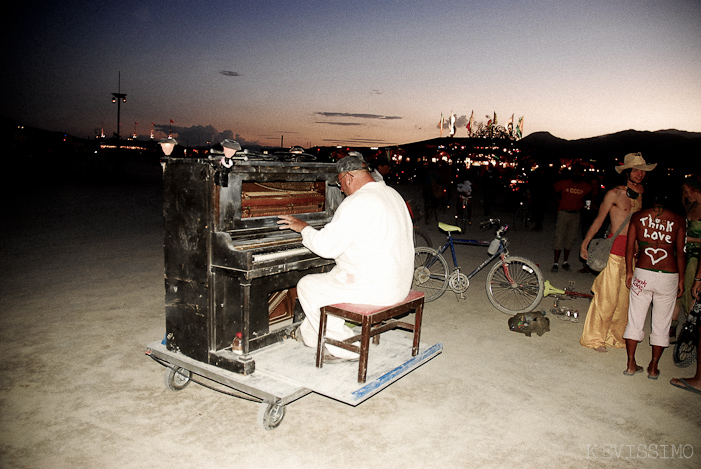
631, 372
653, 373
601, 349
687, 384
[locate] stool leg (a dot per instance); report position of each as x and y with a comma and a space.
364, 349
418, 316
322, 339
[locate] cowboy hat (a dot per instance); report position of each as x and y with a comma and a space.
636, 161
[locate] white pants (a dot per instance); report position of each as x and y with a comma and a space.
317, 290
660, 288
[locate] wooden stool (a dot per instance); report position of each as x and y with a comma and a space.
373, 322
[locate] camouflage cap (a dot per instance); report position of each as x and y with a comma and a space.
354, 161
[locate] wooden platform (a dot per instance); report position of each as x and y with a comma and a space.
286, 371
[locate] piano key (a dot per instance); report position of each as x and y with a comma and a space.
280, 254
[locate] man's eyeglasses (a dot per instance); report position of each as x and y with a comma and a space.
344, 175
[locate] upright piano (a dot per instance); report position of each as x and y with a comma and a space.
228, 267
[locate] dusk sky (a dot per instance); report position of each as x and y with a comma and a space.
356, 72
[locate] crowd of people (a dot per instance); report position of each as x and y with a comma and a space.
653, 261
653, 258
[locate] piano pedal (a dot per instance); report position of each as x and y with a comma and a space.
297, 335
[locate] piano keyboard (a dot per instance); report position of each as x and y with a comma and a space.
269, 256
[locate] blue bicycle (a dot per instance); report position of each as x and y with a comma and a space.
514, 284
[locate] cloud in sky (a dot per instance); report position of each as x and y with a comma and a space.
341, 124
197, 135
356, 115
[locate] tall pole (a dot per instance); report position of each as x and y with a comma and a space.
119, 98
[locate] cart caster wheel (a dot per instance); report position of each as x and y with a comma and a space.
176, 378
270, 415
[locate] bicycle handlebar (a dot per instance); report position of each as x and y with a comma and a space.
486, 224
489, 223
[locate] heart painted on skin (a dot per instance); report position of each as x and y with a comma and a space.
653, 253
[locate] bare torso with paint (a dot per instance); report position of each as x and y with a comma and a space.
657, 234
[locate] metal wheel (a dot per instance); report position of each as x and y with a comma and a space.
524, 294
522, 218
684, 353
430, 273
421, 238
176, 378
270, 415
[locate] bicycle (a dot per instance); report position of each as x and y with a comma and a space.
513, 285
563, 312
685, 352
523, 217
464, 215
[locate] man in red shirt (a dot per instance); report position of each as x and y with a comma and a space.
571, 192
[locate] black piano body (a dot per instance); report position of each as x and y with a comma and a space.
228, 267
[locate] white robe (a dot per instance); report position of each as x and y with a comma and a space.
371, 239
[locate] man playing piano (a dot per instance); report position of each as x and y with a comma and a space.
371, 239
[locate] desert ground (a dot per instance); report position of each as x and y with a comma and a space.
82, 294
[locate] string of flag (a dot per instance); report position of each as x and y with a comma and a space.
480, 129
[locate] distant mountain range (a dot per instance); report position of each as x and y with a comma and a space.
674, 149
669, 148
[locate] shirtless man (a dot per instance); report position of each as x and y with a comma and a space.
654, 258
608, 312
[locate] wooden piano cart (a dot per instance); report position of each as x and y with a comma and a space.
230, 272
286, 371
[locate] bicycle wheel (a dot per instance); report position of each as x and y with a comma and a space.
430, 273
421, 238
524, 294
685, 349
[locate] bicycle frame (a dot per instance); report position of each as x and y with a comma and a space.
501, 252
513, 285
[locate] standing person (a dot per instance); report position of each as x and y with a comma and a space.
540, 188
654, 261
570, 193
371, 239
691, 197
693, 384
382, 167
489, 185
432, 191
608, 312
464, 201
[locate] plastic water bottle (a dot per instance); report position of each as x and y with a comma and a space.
237, 344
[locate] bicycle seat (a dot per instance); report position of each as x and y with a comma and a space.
549, 289
449, 228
